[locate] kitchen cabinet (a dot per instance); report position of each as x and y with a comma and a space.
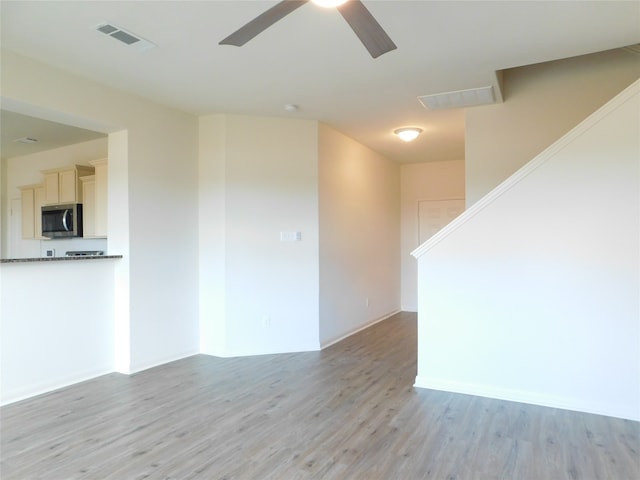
62, 185
39, 194
28, 203
94, 209
51, 187
32, 199
89, 205
101, 193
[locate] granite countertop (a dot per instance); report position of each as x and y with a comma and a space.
57, 259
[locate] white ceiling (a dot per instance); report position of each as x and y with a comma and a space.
311, 58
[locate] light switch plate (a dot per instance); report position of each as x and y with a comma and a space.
290, 236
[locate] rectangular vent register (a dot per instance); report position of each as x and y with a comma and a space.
129, 39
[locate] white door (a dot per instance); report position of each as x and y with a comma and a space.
433, 215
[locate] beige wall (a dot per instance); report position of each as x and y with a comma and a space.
422, 181
258, 178
259, 294
3, 205
542, 103
152, 182
533, 294
359, 235
212, 223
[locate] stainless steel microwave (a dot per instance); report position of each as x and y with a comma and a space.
62, 221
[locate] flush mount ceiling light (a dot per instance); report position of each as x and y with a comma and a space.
408, 133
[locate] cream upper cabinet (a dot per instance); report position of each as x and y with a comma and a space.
94, 208
69, 191
32, 197
101, 196
28, 203
62, 185
39, 197
51, 188
88, 206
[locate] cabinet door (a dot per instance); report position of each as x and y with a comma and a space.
67, 182
28, 202
39, 200
101, 200
51, 188
88, 209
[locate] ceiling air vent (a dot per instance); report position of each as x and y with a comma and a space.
27, 140
131, 40
458, 99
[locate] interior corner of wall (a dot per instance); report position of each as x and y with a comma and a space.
499, 83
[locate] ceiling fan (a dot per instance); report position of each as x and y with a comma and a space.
364, 25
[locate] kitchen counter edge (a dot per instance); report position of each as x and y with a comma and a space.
57, 259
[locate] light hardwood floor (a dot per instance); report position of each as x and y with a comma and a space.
348, 412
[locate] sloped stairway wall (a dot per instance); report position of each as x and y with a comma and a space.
533, 294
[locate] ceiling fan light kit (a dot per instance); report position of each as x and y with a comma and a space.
408, 134
328, 3
363, 24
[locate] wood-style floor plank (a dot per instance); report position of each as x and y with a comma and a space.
348, 412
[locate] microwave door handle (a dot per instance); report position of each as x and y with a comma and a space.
64, 220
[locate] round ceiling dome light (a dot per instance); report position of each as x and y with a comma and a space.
408, 133
328, 3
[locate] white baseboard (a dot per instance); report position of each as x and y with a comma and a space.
28, 391
249, 353
156, 363
532, 398
359, 329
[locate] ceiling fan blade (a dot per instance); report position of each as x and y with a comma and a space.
367, 28
262, 22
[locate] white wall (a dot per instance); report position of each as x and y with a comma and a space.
268, 171
151, 179
163, 239
359, 235
212, 223
533, 294
56, 321
542, 103
422, 181
27, 170
4, 203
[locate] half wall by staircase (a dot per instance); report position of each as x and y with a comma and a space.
533, 294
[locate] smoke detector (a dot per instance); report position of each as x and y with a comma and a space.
131, 40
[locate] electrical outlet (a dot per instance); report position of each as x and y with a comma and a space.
266, 322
